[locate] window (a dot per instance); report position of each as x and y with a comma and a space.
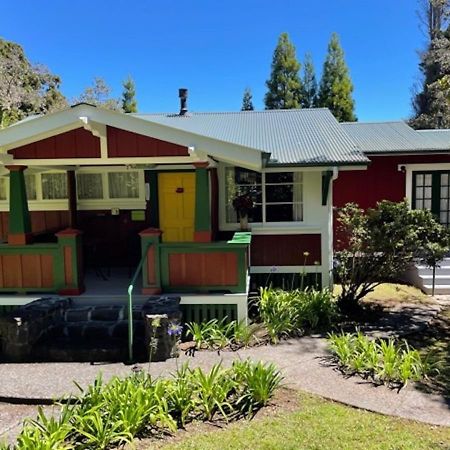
278, 196
284, 202
239, 182
54, 186
2, 188
123, 184
90, 186
424, 184
30, 186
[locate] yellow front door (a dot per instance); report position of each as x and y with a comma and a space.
176, 192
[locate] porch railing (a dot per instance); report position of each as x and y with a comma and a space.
196, 266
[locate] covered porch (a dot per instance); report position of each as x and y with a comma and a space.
88, 204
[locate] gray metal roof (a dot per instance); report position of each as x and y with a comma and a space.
386, 137
440, 137
297, 137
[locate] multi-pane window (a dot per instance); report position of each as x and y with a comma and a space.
2, 188
444, 207
30, 186
424, 185
278, 197
90, 186
284, 197
243, 182
54, 186
123, 184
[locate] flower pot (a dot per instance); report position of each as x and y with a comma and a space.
243, 220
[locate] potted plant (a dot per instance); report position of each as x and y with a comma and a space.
243, 204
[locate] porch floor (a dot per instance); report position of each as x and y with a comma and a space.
114, 281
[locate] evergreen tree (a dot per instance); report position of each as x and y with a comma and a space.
284, 85
129, 103
309, 83
25, 88
336, 87
430, 104
247, 100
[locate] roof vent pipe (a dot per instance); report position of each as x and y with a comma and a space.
183, 94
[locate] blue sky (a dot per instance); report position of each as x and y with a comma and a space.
216, 49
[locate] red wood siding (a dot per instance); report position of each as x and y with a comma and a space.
78, 143
26, 271
381, 181
41, 222
203, 269
123, 143
285, 250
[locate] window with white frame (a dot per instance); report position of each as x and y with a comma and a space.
30, 186
123, 184
90, 186
277, 196
3, 189
54, 186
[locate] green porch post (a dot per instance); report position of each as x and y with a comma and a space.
202, 231
19, 217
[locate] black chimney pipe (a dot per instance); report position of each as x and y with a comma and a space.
183, 94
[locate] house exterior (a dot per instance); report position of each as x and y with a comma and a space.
404, 164
89, 189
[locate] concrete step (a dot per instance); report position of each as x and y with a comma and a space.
442, 280
441, 270
439, 289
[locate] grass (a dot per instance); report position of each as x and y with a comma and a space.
390, 294
320, 424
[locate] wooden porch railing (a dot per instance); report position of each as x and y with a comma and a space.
53, 267
195, 266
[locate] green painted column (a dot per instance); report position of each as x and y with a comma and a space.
19, 232
202, 232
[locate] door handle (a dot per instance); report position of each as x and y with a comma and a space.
179, 190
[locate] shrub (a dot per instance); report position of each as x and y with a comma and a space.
384, 361
287, 313
112, 414
217, 334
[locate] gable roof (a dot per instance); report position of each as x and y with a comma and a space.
304, 137
441, 137
393, 137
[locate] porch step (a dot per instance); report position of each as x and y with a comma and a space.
439, 289
421, 276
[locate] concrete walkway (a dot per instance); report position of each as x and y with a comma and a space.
302, 362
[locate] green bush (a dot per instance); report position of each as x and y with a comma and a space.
384, 361
218, 334
288, 313
114, 413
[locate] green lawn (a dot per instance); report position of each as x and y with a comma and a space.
320, 424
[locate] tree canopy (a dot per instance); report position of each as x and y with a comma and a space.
284, 85
309, 83
336, 87
99, 94
247, 100
25, 88
129, 102
430, 102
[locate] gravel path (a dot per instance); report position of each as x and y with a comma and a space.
302, 361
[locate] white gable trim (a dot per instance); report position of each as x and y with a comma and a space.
88, 116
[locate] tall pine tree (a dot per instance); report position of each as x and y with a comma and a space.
284, 85
430, 102
247, 100
129, 102
336, 87
309, 83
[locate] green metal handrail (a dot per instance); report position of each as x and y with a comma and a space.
130, 303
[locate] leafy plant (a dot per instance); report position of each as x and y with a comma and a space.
213, 389
384, 361
258, 382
